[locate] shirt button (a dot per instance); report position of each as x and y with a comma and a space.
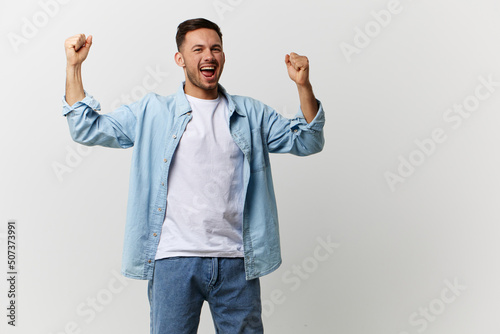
162, 184
295, 130
159, 209
165, 160
154, 234
188, 113
174, 136
149, 261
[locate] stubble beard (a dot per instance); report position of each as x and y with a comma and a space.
196, 81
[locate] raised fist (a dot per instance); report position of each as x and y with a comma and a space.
298, 68
77, 48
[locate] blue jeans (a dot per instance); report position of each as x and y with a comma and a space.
180, 285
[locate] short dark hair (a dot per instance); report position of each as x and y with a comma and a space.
191, 25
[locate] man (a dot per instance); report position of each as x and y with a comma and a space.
202, 221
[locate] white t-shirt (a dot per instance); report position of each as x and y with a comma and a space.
204, 213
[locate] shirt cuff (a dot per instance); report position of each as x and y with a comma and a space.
316, 124
88, 101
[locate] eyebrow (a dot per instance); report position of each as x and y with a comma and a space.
201, 45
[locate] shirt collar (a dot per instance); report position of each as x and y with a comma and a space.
182, 104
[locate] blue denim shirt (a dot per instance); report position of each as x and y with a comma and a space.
154, 125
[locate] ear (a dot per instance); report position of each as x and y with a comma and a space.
179, 60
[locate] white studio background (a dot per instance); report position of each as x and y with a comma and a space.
392, 229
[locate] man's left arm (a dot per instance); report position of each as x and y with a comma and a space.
302, 135
298, 70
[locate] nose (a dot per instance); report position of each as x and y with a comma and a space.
208, 56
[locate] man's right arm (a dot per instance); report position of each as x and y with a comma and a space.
86, 125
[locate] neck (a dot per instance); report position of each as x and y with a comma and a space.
205, 94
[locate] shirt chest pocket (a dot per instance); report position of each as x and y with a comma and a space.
260, 155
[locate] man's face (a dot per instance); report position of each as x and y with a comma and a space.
203, 59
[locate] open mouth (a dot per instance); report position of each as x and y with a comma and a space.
208, 71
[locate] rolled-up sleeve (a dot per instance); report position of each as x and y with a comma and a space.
295, 136
88, 127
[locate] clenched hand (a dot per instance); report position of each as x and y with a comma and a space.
77, 48
298, 68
